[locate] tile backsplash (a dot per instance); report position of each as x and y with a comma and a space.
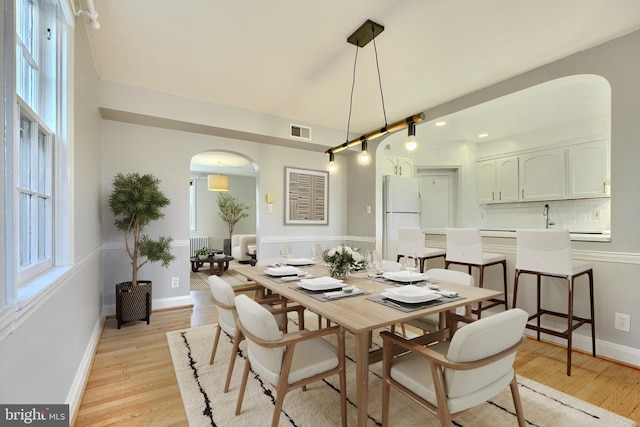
575, 215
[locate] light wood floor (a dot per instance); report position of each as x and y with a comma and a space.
132, 382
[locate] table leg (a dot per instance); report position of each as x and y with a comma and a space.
362, 376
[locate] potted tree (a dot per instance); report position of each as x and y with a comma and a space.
231, 210
136, 201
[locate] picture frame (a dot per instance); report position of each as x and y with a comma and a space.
306, 197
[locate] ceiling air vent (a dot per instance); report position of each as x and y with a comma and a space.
301, 132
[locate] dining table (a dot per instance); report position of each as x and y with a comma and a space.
363, 313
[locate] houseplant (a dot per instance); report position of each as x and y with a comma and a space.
231, 210
135, 202
202, 253
342, 260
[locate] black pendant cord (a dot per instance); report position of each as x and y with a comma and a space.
384, 112
353, 85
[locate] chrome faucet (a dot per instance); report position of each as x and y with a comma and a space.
545, 212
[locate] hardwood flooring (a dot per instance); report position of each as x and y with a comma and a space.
132, 382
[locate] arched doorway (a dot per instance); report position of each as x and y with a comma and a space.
206, 227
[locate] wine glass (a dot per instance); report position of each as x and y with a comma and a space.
316, 252
285, 253
410, 263
374, 263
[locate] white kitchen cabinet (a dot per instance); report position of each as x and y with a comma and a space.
402, 166
486, 181
497, 180
542, 175
587, 169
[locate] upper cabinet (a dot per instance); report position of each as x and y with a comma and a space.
588, 169
498, 180
573, 172
542, 175
393, 165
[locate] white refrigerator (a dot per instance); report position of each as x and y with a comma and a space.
401, 204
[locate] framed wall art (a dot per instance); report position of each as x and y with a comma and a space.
306, 197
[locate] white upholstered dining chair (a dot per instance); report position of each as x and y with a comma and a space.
452, 376
411, 240
223, 297
464, 247
288, 361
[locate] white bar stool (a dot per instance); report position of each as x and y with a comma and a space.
411, 240
548, 253
464, 247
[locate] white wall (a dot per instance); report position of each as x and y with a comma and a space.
47, 356
167, 154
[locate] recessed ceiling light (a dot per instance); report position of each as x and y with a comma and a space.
483, 135
441, 123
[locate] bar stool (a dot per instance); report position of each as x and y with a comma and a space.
548, 253
411, 240
464, 247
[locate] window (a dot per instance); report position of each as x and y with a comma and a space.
39, 158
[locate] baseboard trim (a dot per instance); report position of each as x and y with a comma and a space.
82, 374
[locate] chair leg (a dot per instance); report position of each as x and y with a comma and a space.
538, 303
515, 394
215, 345
515, 289
480, 285
593, 317
243, 386
232, 360
504, 280
569, 325
278, 407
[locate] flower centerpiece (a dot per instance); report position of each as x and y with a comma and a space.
342, 260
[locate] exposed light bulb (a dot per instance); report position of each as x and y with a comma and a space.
332, 167
411, 143
363, 157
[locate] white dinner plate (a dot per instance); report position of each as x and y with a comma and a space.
282, 271
410, 294
300, 261
323, 283
404, 276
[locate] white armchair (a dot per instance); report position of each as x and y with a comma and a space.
452, 376
240, 245
271, 355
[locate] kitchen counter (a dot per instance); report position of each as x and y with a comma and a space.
579, 236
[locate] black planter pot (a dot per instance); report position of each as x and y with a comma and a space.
133, 302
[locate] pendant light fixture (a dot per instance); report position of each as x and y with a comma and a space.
360, 38
332, 168
363, 157
411, 143
218, 182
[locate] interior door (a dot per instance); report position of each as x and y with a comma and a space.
439, 198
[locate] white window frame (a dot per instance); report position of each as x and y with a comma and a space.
22, 286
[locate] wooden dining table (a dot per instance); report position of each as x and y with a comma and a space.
360, 315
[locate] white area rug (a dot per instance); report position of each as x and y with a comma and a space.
205, 404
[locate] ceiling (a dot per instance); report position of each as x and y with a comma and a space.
290, 58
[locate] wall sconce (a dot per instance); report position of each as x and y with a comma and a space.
271, 198
411, 143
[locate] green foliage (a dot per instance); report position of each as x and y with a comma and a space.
203, 251
136, 201
231, 210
